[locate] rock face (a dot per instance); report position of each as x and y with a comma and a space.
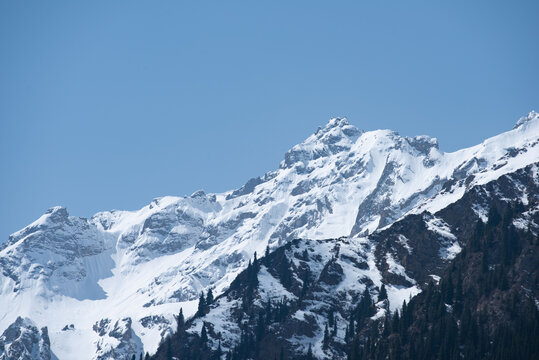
117, 340
22, 340
146, 264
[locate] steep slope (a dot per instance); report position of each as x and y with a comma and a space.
325, 297
144, 265
485, 305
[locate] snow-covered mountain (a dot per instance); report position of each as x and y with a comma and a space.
329, 296
108, 286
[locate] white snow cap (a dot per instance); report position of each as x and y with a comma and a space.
532, 115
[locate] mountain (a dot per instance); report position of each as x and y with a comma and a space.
109, 286
340, 298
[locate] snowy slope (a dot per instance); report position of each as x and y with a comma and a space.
137, 268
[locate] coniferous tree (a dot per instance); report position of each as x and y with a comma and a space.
209, 297
218, 352
266, 255
180, 320
260, 327
201, 304
285, 274
459, 296
475, 244
494, 217
325, 341
395, 326
309, 353
169, 349
382, 295
386, 330
255, 263
203, 334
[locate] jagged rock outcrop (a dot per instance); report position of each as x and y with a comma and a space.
22, 340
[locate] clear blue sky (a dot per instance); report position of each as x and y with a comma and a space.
108, 104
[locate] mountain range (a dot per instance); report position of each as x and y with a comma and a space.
367, 208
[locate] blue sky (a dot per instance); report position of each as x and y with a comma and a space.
108, 104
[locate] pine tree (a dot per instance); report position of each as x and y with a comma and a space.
325, 342
169, 349
309, 353
494, 217
447, 290
260, 327
395, 322
386, 330
180, 320
201, 305
285, 274
203, 334
459, 296
351, 326
255, 263
218, 352
507, 216
331, 316
382, 295
209, 297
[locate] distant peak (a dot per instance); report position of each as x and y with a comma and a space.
335, 124
56, 209
337, 121
532, 115
198, 194
57, 212
337, 127
336, 136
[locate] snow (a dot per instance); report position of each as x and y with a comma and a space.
451, 252
440, 227
452, 247
398, 294
271, 288
404, 242
396, 268
481, 212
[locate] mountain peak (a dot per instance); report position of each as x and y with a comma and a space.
336, 127
337, 135
337, 122
532, 115
57, 213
